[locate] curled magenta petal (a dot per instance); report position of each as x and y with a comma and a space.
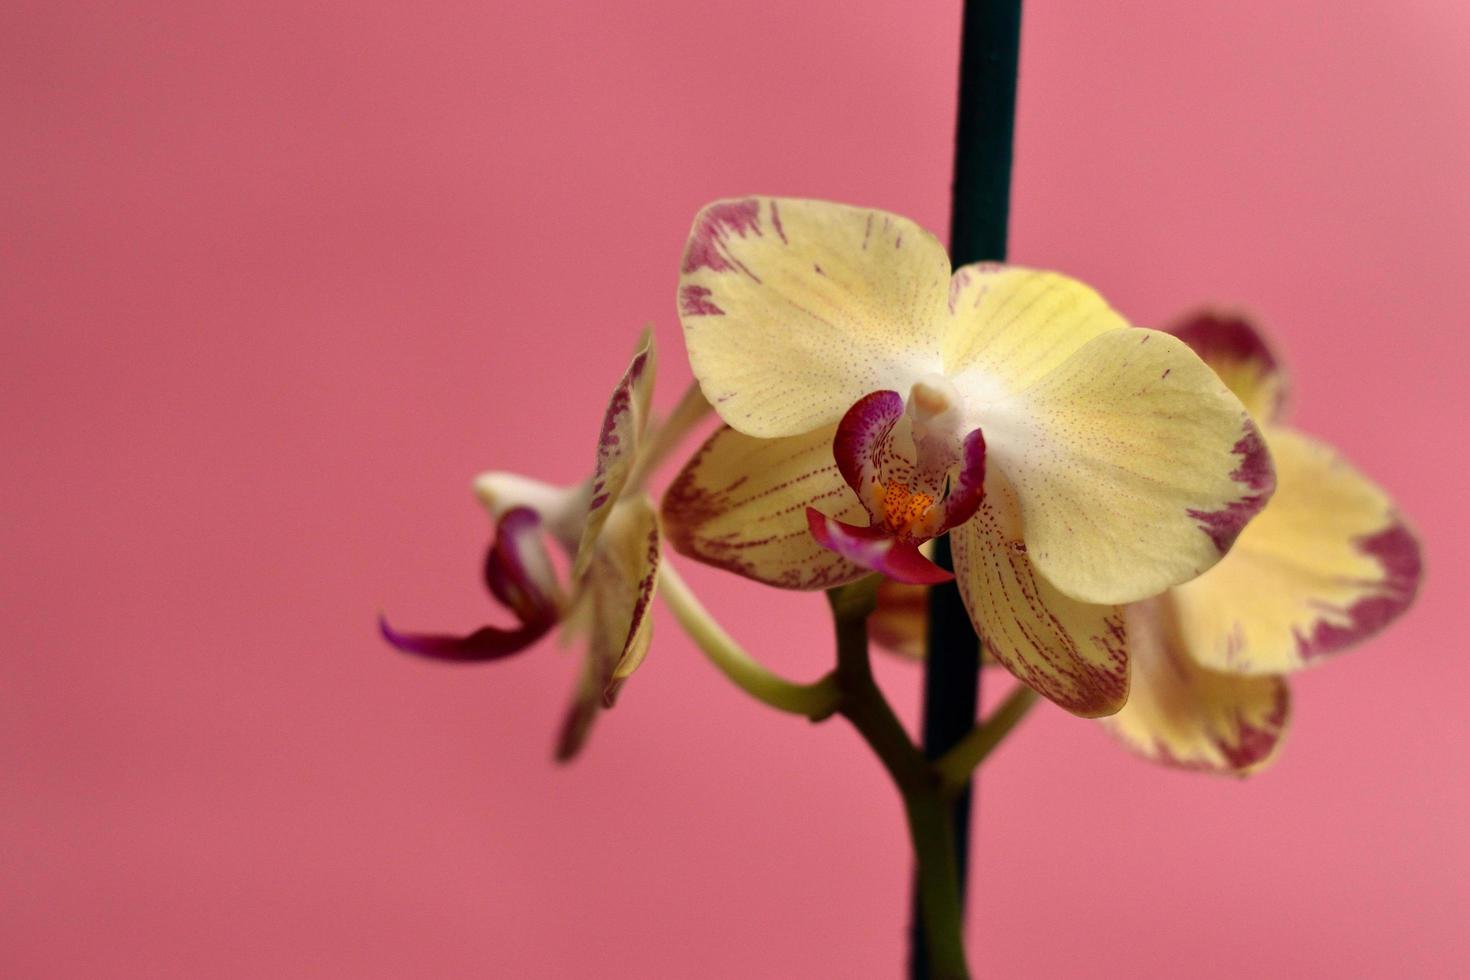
874, 548
484, 644
518, 570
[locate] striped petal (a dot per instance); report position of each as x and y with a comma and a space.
794, 309
740, 504
1328, 564
621, 578
1071, 652
617, 445
1135, 468
1235, 349
1183, 715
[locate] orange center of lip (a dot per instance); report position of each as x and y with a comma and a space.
903, 508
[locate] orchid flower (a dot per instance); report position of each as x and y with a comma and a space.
873, 399
1327, 565
607, 529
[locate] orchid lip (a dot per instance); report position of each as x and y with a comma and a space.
914, 469
874, 548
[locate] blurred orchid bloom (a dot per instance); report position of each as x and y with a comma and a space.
1080, 463
1328, 564
607, 529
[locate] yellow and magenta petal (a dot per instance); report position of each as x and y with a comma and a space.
625, 579
1237, 351
1326, 565
617, 445
618, 593
740, 504
1135, 468
1072, 652
794, 309
1184, 715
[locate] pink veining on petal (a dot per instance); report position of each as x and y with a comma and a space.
1396, 550
1257, 475
645, 590
1055, 666
873, 548
717, 222
619, 408
969, 484
776, 222
863, 436
695, 301
959, 281
689, 507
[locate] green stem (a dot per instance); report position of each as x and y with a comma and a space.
956, 765
816, 701
979, 216
924, 803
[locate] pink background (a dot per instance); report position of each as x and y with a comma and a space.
276, 281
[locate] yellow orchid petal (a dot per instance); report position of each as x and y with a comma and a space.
1135, 468
1074, 653
617, 445
1237, 351
1009, 326
793, 309
616, 599
1328, 563
1184, 715
740, 504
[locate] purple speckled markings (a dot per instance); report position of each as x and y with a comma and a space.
908, 501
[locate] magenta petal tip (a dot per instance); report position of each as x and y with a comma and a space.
484, 644
873, 548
